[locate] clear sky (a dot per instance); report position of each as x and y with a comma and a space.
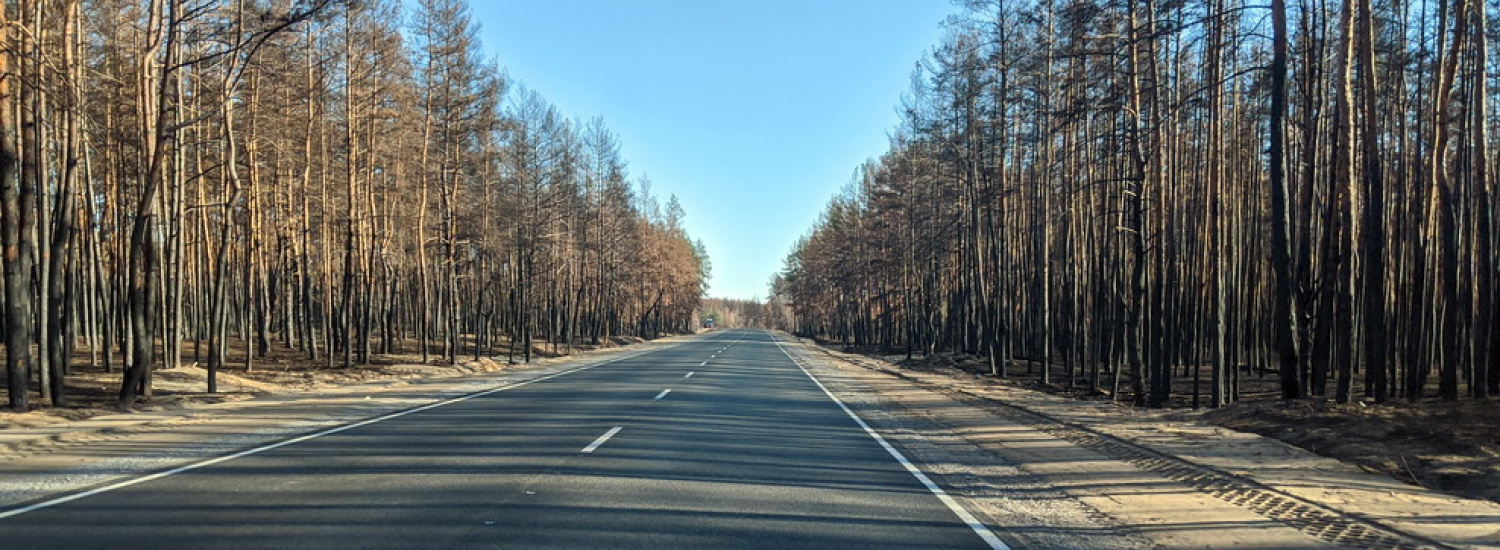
753, 112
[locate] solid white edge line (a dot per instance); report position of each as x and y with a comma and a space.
662, 394
977, 526
601, 440
299, 439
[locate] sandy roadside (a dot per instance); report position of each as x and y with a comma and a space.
1177, 484
62, 456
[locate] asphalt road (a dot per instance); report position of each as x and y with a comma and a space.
722, 441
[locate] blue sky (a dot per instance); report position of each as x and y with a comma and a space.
754, 113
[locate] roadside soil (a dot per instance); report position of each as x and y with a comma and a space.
1448, 446
1453, 447
92, 391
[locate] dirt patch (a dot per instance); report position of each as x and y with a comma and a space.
1452, 447
1449, 447
1184, 480
92, 391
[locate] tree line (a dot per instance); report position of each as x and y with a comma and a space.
751, 313
1119, 192
342, 178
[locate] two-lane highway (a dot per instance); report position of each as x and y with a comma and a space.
721, 441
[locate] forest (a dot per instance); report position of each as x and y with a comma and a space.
752, 313
1124, 195
200, 181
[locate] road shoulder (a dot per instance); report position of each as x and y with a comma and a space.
1175, 484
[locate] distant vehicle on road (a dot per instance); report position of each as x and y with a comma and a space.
708, 323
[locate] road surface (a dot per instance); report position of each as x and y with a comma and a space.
721, 441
